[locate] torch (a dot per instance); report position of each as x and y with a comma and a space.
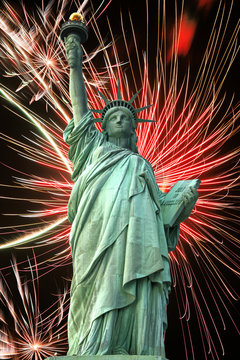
75, 25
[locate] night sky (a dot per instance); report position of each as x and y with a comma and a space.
199, 16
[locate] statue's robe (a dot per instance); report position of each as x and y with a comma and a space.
121, 275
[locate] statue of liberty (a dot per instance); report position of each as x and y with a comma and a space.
121, 272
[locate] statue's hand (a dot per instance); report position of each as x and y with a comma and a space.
73, 50
189, 201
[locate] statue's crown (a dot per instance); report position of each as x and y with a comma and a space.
119, 102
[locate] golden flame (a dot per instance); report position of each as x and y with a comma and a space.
76, 16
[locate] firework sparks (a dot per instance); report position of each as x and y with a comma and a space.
34, 335
185, 142
186, 28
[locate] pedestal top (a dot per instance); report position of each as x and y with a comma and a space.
107, 357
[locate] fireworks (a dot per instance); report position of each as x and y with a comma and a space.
32, 334
193, 125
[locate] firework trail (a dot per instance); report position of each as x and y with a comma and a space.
32, 334
192, 126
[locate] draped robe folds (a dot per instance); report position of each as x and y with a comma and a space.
121, 274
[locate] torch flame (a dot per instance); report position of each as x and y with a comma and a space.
76, 16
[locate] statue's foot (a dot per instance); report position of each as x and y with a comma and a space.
119, 351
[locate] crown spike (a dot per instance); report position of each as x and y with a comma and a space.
144, 120
96, 111
134, 96
110, 104
103, 97
142, 108
119, 91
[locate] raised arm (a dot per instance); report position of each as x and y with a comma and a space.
77, 88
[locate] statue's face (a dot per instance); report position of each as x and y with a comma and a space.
119, 124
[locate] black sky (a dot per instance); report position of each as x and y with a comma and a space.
15, 127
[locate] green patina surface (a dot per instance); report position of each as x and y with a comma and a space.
107, 357
121, 273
